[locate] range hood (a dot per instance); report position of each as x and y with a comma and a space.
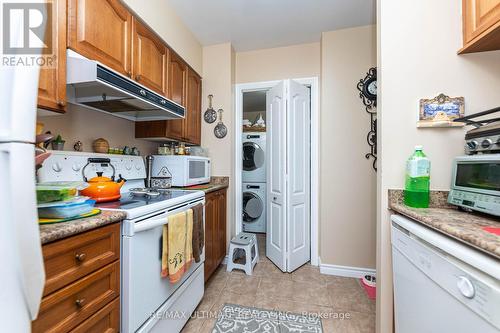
94, 85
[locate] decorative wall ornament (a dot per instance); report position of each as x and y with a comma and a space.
210, 115
440, 111
220, 129
368, 93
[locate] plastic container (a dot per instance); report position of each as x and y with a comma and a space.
66, 210
370, 286
58, 191
417, 183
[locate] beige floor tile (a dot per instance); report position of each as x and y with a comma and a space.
310, 293
266, 268
308, 273
351, 298
356, 323
193, 325
276, 288
242, 284
233, 298
208, 325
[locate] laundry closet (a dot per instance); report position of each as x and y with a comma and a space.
276, 171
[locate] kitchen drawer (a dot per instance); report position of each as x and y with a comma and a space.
70, 259
65, 309
105, 320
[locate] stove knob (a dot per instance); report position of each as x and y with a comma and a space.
472, 145
487, 143
76, 167
57, 167
466, 287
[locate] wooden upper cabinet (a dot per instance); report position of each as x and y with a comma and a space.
481, 25
149, 58
100, 30
52, 81
177, 76
193, 109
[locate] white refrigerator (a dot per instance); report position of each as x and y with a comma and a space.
21, 266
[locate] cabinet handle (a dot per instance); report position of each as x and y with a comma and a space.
80, 257
137, 77
61, 103
80, 302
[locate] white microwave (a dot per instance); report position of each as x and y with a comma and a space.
186, 170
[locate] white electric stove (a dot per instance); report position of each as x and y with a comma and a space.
149, 303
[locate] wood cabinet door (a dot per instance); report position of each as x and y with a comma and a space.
193, 109
149, 58
52, 80
100, 30
481, 25
210, 228
177, 77
221, 226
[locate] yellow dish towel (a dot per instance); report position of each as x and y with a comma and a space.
177, 250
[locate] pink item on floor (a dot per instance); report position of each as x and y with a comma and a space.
369, 286
492, 230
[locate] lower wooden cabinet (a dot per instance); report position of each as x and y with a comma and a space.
82, 285
215, 230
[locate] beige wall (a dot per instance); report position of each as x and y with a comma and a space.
160, 16
218, 80
279, 63
347, 179
86, 125
417, 59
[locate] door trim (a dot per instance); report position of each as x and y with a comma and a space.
313, 82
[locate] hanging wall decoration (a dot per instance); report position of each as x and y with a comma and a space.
210, 115
220, 129
440, 111
368, 93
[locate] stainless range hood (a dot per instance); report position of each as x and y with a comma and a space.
93, 85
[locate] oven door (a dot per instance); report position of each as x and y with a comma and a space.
198, 171
143, 291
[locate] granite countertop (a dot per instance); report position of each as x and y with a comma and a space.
216, 183
447, 219
56, 231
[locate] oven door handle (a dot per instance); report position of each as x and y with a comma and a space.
163, 218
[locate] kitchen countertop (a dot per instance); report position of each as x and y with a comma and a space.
56, 231
216, 183
455, 223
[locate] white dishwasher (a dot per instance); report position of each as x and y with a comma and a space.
441, 285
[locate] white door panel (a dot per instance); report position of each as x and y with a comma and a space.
276, 140
298, 166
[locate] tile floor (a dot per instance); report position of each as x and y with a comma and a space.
341, 302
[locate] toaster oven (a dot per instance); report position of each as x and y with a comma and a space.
476, 183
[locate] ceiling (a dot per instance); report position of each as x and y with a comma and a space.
254, 101
259, 24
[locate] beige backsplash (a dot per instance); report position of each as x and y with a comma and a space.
87, 125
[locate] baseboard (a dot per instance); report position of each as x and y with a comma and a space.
345, 271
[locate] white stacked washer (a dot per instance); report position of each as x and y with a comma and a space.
254, 207
254, 181
148, 302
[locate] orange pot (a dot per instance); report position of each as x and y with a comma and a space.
103, 189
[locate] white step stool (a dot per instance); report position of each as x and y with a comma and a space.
246, 242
